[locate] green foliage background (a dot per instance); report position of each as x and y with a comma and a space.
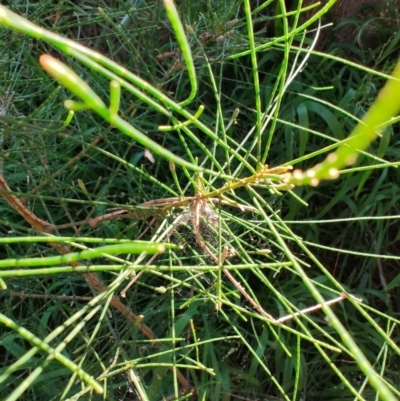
342, 234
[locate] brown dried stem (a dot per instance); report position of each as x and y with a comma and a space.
92, 278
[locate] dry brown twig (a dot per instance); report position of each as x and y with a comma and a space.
92, 278
199, 209
200, 214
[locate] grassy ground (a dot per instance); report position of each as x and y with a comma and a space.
214, 340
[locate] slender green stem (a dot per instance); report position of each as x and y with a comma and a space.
129, 268
359, 357
114, 71
45, 347
133, 247
176, 23
379, 116
256, 79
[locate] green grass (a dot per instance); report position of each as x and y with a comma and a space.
146, 137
